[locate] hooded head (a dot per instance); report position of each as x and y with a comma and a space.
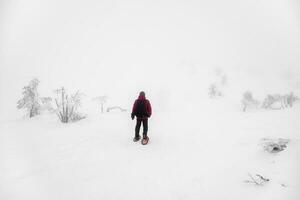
142, 95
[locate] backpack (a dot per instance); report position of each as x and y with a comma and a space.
141, 110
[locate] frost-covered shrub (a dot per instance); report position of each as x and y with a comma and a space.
270, 100
274, 145
278, 101
30, 100
249, 101
67, 106
115, 108
213, 91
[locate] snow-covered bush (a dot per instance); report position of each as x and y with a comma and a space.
115, 108
278, 101
213, 91
249, 101
67, 106
291, 99
102, 100
271, 100
31, 101
274, 145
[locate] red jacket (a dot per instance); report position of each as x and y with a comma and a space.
146, 110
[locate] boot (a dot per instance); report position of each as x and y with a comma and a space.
136, 138
145, 140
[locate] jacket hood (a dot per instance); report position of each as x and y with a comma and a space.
141, 97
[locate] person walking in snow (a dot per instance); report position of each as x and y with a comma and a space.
142, 111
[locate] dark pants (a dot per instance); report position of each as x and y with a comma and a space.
139, 121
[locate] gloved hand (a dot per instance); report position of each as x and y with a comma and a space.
132, 116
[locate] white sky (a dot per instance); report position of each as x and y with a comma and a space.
105, 46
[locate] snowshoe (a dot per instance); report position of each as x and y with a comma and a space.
145, 140
136, 139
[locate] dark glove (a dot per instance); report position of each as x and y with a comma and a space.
132, 116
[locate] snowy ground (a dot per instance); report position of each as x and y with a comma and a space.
199, 148
190, 156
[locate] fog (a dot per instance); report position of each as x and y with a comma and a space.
118, 48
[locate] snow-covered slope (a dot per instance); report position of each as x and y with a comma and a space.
192, 154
